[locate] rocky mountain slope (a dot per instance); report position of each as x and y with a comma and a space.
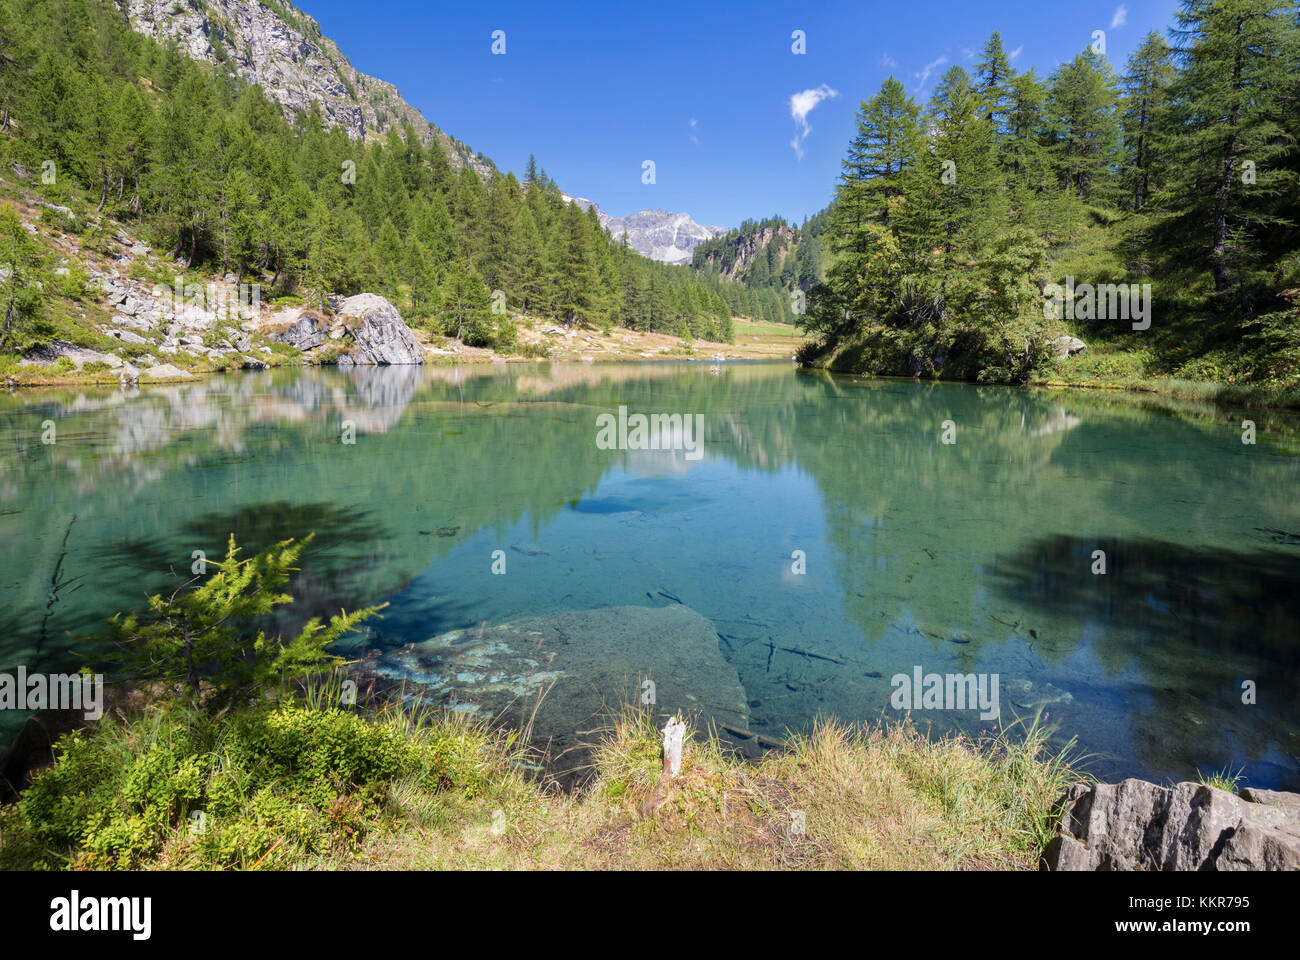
280, 48
735, 258
658, 234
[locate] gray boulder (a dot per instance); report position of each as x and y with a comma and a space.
1135, 825
44, 356
166, 371
304, 335
1063, 347
381, 334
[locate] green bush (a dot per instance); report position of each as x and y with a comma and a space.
202, 640
279, 779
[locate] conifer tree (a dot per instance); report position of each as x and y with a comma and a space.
1146, 86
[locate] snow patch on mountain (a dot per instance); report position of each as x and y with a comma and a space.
658, 234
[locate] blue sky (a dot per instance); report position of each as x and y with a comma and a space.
702, 89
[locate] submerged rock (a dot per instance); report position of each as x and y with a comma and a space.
584, 665
1031, 696
1135, 825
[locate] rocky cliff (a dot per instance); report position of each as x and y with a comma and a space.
281, 49
748, 246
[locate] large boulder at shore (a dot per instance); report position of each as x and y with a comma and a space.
1066, 346
381, 334
1135, 825
569, 674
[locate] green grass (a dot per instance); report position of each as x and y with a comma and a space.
302, 784
1223, 779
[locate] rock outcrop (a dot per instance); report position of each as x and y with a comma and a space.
366, 328
281, 49
1135, 825
380, 333
1066, 346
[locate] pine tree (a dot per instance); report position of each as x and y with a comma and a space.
888, 141
577, 292
466, 305
22, 265
994, 77
1083, 121
1238, 60
1146, 87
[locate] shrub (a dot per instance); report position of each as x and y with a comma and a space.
273, 782
201, 638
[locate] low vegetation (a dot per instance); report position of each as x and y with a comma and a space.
229, 751
294, 783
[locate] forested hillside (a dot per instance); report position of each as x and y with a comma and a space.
104, 120
770, 259
953, 218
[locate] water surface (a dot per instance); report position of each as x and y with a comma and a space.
975, 556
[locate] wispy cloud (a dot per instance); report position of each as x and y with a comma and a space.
694, 138
968, 53
1120, 18
928, 69
887, 61
801, 104
1014, 55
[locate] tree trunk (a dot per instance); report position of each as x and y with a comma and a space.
9, 317
1219, 254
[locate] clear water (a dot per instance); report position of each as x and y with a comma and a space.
912, 546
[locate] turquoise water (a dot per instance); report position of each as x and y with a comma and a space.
974, 556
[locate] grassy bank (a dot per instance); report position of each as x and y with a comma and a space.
292, 785
1131, 370
1112, 368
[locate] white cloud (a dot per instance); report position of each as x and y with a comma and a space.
1014, 55
693, 121
928, 69
888, 61
801, 104
968, 53
1120, 18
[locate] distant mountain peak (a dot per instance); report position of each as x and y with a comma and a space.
664, 235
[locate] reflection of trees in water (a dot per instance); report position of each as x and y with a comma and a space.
1193, 622
916, 528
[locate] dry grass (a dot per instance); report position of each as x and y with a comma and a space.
843, 797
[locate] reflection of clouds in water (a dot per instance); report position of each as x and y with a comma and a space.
1057, 421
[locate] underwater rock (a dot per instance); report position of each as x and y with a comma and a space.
584, 665
1030, 696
